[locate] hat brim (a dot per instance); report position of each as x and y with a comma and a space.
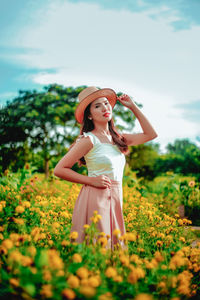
108, 93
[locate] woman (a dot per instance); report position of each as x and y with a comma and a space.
103, 150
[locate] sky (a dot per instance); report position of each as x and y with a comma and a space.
148, 49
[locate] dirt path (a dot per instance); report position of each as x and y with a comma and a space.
194, 243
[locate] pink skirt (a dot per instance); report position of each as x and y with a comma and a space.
109, 204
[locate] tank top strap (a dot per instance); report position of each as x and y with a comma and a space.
92, 137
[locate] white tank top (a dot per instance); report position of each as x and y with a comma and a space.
104, 159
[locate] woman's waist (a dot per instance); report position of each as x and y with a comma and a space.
117, 181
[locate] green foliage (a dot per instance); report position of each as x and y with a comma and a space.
39, 118
175, 190
183, 157
142, 158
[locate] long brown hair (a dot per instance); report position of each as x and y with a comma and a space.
88, 126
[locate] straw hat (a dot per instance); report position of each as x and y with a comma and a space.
88, 95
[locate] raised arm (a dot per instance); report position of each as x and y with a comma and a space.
148, 131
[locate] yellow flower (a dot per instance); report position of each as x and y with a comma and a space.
103, 241
55, 261
143, 297
46, 291
173, 281
110, 272
73, 235
14, 282
102, 233
130, 236
3, 250
149, 265
86, 226
14, 237
118, 278
65, 214
180, 222
69, 294
87, 291
124, 260
65, 243
96, 218
55, 225
77, 258
8, 244
135, 274
132, 277
103, 251
19, 209
82, 272
15, 256
84, 281
19, 221
140, 272
182, 239
73, 281
26, 204
191, 183
27, 166
158, 256
134, 258
60, 273
32, 250
47, 275
177, 261
94, 281
159, 243
116, 232
183, 289
26, 261
33, 270
106, 296
162, 286
6, 172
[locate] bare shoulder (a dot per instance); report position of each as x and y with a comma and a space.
84, 140
77, 150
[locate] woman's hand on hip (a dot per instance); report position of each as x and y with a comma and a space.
101, 181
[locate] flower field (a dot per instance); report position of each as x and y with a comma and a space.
40, 259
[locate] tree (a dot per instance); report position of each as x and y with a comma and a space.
182, 157
142, 158
39, 119
179, 147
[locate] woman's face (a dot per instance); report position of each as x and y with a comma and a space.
101, 110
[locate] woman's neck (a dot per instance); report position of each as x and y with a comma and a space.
102, 130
